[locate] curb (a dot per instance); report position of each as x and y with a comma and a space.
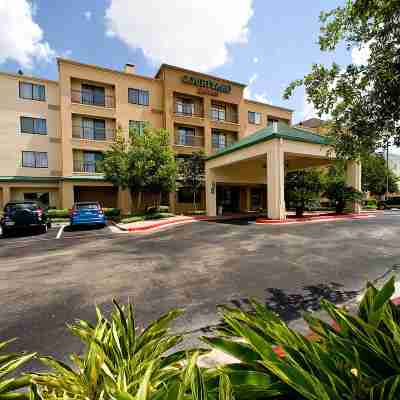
154, 226
325, 218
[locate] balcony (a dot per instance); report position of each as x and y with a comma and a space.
88, 97
87, 167
189, 110
90, 133
224, 116
189, 140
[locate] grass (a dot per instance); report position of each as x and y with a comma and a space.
137, 217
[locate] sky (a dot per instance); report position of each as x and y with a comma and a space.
263, 43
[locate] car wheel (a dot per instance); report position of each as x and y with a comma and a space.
43, 228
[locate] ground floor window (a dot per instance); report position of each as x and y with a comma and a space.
185, 195
42, 198
256, 198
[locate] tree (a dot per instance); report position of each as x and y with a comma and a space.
192, 172
363, 98
302, 187
339, 193
377, 177
142, 162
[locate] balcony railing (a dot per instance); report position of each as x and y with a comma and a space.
224, 115
93, 99
89, 133
89, 167
189, 140
189, 110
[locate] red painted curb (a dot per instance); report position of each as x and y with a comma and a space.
158, 225
325, 217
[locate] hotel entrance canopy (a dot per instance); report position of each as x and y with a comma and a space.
264, 157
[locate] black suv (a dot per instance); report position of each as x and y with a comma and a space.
19, 215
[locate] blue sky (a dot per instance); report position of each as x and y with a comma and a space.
266, 42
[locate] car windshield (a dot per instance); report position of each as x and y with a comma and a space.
10, 208
85, 206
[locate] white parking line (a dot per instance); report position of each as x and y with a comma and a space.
60, 231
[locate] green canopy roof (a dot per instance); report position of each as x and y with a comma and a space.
283, 132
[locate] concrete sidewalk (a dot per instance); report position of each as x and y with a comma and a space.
151, 225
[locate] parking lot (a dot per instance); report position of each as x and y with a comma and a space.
47, 281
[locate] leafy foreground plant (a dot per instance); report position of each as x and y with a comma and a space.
10, 387
358, 359
118, 363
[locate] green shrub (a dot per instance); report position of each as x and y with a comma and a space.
129, 219
357, 358
10, 383
371, 202
118, 362
58, 213
112, 212
158, 215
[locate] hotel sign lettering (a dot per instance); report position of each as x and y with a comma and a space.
207, 84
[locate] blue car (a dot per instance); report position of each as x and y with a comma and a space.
87, 213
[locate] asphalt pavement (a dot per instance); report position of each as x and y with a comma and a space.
47, 281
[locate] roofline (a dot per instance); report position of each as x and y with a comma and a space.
269, 105
266, 139
174, 67
28, 77
104, 69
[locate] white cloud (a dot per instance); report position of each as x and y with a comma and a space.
192, 33
88, 15
309, 110
256, 60
262, 97
248, 91
21, 39
360, 55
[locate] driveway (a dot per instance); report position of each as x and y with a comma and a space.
46, 282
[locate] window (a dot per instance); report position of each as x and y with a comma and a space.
186, 136
137, 126
254, 117
185, 195
272, 121
34, 159
32, 91
43, 199
184, 106
138, 96
218, 141
93, 95
218, 112
91, 162
93, 129
33, 125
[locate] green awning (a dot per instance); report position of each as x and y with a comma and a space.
283, 132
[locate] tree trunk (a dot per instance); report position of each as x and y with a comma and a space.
194, 201
340, 207
299, 210
139, 201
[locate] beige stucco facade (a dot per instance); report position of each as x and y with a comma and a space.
88, 104
68, 112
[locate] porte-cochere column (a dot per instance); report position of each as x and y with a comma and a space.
353, 178
211, 193
276, 181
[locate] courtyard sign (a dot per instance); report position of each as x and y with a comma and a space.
206, 84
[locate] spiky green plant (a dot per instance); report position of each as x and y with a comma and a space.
121, 363
11, 386
357, 359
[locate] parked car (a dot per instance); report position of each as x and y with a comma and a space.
87, 213
23, 215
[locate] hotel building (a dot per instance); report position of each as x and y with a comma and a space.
52, 133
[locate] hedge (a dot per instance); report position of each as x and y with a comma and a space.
64, 213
